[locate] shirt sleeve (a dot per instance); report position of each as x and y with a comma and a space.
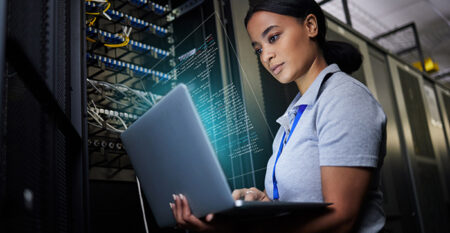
350, 127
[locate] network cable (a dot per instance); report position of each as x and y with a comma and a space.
108, 5
118, 65
140, 100
126, 19
138, 46
121, 88
158, 9
94, 113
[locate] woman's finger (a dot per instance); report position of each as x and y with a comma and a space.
191, 221
250, 195
235, 194
178, 210
186, 210
259, 195
172, 206
238, 193
209, 217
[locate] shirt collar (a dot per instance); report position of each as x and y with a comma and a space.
310, 96
289, 115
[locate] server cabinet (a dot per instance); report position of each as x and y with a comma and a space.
43, 181
443, 97
422, 158
171, 42
187, 44
398, 192
2, 78
444, 106
437, 133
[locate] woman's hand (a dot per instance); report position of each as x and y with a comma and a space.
186, 220
251, 194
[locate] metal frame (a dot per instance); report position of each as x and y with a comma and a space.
443, 137
405, 127
79, 93
443, 74
37, 86
348, 17
395, 175
437, 135
445, 117
3, 6
374, 44
417, 45
412, 158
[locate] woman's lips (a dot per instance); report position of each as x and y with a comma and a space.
277, 69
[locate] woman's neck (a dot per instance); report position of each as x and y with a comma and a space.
306, 80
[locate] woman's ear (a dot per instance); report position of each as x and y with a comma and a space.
310, 23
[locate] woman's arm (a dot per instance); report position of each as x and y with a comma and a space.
345, 187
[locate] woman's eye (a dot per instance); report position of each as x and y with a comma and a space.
273, 38
258, 51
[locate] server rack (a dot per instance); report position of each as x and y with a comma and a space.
123, 42
437, 133
422, 157
43, 181
444, 106
170, 42
399, 198
443, 99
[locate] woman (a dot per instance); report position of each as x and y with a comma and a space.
330, 146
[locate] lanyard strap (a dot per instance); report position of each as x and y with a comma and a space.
300, 111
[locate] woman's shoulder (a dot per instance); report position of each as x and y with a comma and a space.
343, 86
345, 97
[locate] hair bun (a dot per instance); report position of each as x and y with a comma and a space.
345, 55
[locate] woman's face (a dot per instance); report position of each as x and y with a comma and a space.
283, 44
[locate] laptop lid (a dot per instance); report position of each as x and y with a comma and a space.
171, 154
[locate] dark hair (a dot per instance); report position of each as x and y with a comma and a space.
345, 55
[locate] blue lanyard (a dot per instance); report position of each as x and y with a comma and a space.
301, 109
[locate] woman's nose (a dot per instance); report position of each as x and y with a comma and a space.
267, 55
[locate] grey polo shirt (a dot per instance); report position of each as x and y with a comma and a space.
343, 125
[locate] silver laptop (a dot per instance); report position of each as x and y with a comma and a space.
171, 154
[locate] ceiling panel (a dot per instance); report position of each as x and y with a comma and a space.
374, 17
443, 6
421, 13
384, 7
